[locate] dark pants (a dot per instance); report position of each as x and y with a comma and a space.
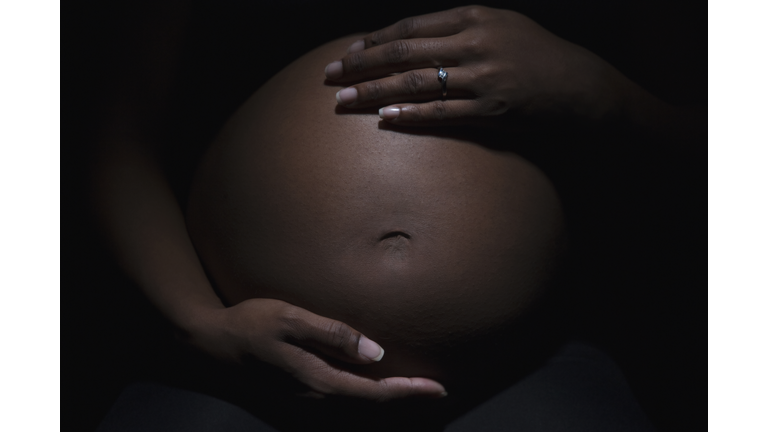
578, 389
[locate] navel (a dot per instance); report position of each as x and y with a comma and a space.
397, 235
396, 243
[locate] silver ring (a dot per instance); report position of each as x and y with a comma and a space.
442, 76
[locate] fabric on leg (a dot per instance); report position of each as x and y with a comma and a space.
578, 389
149, 407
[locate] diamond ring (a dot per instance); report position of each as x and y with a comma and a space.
442, 76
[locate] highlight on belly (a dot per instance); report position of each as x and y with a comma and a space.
423, 241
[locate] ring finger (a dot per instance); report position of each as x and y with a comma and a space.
395, 56
412, 86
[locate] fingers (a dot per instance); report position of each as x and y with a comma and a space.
439, 24
388, 388
325, 379
411, 43
411, 86
342, 342
433, 113
396, 56
331, 337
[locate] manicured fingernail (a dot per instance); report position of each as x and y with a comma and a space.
370, 349
334, 70
355, 47
346, 96
389, 113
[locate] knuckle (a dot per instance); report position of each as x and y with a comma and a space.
413, 83
484, 78
290, 320
355, 63
474, 76
473, 47
397, 52
373, 91
377, 38
339, 334
472, 13
293, 362
416, 113
439, 110
383, 392
406, 28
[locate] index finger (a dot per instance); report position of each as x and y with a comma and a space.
331, 337
438, 24
329, 380
398, 388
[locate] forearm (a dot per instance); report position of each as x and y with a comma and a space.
146, 230
595, 93
675, 129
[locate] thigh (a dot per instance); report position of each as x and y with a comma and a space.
150, 407
579, 389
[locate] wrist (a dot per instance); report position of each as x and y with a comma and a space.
197, 319
642, 111
616, 95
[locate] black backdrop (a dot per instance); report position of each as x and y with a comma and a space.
638, 215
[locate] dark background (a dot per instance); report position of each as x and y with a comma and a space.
637, 211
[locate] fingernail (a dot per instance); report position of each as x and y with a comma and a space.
370, 349
355, 47
389, 113
334, 70
346, 96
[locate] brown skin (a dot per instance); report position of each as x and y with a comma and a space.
147, 229
145, 226
501, 62
148, 233
424, 243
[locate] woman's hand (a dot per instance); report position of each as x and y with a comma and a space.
300, 343
497, 61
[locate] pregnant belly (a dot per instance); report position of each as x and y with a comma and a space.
422, 241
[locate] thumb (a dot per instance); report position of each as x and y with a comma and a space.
333, 338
